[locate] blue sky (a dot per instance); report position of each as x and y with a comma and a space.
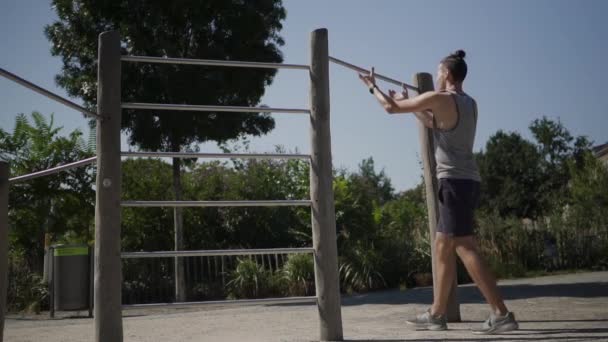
526, 59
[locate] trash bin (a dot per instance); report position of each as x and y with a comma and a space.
70, 278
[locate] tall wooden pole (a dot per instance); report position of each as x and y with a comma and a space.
424, 82
108, 268
322, 194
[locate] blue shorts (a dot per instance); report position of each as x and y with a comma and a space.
458, 199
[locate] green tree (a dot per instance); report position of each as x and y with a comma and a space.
61, 204
377, 184
588, 201
529, 179
555, 146
220, 29
510, 169
359, 198
553, 139
146, 229
403, 237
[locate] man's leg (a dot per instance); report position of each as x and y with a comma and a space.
466, 248
446, 271
435, 318
501, 320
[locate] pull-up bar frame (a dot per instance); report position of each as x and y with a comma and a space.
378, 76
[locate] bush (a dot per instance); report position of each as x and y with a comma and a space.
248, 280
360, 270
299, 274
278, 285
506, 269
26, 290
207, 291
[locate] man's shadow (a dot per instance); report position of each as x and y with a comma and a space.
468, 294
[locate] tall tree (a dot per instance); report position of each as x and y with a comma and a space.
555, 146
530, 178
377, 183
510, 168
205, 29
60, 204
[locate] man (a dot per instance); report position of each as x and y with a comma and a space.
452, 114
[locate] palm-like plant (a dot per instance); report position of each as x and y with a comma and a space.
248, 280
360, 271
298, 272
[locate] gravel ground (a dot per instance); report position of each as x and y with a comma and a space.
572, 307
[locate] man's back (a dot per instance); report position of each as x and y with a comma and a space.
454, 146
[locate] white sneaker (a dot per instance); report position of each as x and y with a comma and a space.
498, 324
426, 321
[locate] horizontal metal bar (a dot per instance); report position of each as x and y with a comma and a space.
286, 300
203, 108
216, 155
218, 252
47, 93
53, 170
378, 76
213, 62
183, 204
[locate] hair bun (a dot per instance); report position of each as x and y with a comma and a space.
459, 54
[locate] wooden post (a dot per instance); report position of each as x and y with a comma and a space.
108, 271
52, 275
322, 194
178, 233
4, 174
424, 82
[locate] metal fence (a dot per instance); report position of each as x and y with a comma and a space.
149, 278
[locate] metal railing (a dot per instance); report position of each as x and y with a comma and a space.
92, 160
205, 108
217, 155
207, 275
284, 300
190, 204
378, 76
10, 76
53, 170
218, 252
47, 93
212, 62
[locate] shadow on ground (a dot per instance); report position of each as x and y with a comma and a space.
520, 335
470, 294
